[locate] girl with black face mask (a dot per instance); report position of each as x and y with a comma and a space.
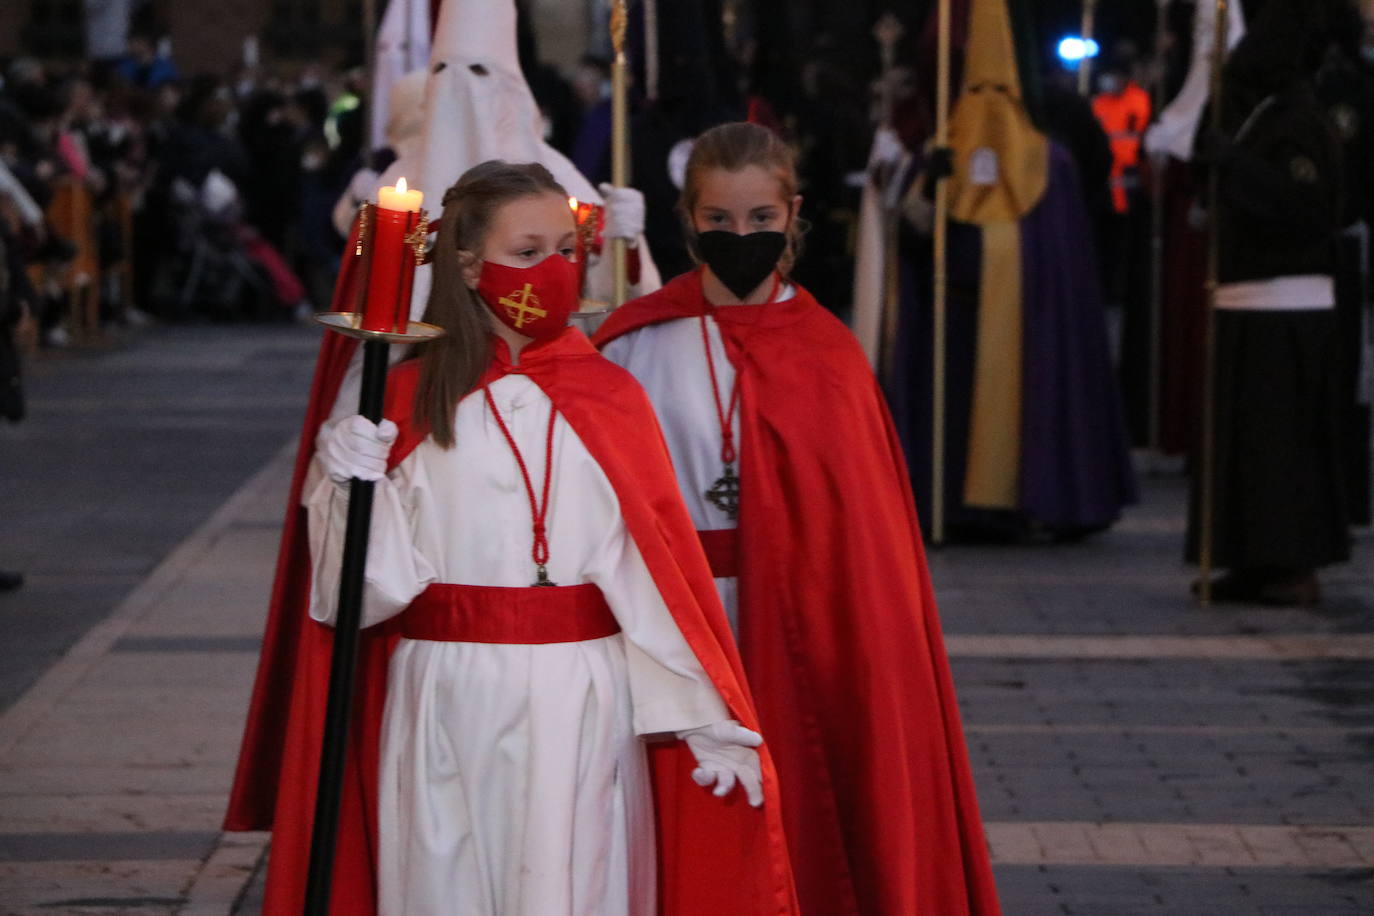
786, 459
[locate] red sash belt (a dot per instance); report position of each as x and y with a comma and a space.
722, 551
515, 616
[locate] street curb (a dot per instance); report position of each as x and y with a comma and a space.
67, 672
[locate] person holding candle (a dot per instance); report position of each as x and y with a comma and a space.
789, 465
545, 668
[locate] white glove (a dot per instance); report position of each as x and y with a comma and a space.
725, 753
624, 212
356, 447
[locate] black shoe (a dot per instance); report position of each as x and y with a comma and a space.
1296, 590
1237, 586
1269, 587
9, 581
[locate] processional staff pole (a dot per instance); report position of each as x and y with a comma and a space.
620, 146
1207, 485
1085, 66
1156, 166
888, 31
940, 281
390, 241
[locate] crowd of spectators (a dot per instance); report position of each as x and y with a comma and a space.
127, 191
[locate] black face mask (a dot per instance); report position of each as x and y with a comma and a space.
741, 262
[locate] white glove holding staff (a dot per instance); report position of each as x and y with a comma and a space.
356, 447
725, 753
624, 212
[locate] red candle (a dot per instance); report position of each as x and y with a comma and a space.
391, 267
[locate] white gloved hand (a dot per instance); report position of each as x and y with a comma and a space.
624, 212
356, 447
725, 754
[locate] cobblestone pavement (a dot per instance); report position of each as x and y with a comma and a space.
1134, 753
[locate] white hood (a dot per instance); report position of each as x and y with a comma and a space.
402, 46
478, 106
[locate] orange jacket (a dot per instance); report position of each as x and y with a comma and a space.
1124, 116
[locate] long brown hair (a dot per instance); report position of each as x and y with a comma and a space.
734, 147
453, 363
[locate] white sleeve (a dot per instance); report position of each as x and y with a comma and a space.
396, 571
618, 350
669, 689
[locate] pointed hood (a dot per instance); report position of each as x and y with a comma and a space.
478, 105
1001, 162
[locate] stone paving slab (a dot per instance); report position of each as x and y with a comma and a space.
113, 812
1285, 646
1156, 845
147, 887
1057, 890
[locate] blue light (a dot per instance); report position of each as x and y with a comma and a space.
1074, 49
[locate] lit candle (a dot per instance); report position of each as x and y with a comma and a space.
391, 264
583, 214
400, 198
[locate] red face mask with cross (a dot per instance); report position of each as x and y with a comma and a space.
533, 301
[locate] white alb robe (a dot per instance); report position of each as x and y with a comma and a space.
669, 361
513, 778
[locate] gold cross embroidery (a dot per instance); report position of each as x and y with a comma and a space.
522, 306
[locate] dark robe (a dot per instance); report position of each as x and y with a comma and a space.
1075, 473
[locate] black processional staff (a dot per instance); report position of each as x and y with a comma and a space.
390, 243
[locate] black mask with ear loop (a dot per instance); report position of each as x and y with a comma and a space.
741, 262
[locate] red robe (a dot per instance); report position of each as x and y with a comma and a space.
838, 626
715, 857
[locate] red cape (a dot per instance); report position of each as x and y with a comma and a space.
838, 625
714, 857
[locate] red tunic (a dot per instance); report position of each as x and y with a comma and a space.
714, 857
838, 626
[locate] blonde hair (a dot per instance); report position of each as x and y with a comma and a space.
734, 147
453, 363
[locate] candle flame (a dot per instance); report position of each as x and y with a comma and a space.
572, 204
401, 185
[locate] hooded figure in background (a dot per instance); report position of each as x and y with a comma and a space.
479, 107
1034, 438
1279, 506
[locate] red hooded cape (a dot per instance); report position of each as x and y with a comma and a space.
715, 856
838, 625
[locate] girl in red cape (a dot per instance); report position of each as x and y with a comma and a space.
787, 461
552, 718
